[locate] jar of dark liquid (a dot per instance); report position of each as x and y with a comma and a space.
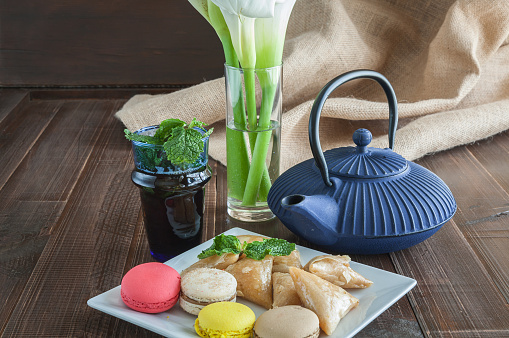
172, 197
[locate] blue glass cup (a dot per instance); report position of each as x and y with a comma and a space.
172, 197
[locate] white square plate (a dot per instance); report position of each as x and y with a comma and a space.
387, 288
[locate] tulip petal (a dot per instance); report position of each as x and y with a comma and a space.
243, 37
202, 7
248, 8
270, 35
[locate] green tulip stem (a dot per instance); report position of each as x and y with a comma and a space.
258, 174
256, 170
260, 179
250, 84
237, 155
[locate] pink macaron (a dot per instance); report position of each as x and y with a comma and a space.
150, 287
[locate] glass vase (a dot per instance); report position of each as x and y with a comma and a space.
172, 197
253, 133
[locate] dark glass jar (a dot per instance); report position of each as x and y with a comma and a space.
172, 197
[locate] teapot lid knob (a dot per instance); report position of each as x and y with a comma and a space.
362, 137
362, 162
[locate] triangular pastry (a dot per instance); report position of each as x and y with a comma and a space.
221, 262
283, 290
217, 262
282, 263
330, 302
337, 270
254, 280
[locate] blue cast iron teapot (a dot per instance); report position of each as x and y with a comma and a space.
360, 200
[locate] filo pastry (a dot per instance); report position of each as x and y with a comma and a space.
254, 279
282, 263
329, 301
220, 262
337, 270
284, 292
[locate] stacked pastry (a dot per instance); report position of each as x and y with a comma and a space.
278, 281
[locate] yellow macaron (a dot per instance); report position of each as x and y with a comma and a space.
225, 319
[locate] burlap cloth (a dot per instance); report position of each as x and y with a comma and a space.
448, 62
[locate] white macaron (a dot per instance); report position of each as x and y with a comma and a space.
203, 286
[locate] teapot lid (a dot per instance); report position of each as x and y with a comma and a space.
363, 161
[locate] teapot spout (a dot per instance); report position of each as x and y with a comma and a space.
317, 216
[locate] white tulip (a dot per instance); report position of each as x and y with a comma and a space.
270, 35
242, 32
257, 29
202, 7
248, 8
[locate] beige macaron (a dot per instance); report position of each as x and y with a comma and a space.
203, 286
290, 321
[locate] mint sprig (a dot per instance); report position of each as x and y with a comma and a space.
196, 123
140, 138
166, 127
272, 246
183, 143
255, 250
222, 244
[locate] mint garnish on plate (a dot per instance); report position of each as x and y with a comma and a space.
222, 244
255, 250
271, 246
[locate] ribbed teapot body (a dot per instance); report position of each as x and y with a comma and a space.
374, 215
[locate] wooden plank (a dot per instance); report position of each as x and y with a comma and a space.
491, 154
87, 251
482, 214
99, 43
491, 243
456, 295
477, 194
222, 221
11, 100
20, 130
98, 93
31, 206
211, 200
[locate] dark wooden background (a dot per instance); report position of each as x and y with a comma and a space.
105, 43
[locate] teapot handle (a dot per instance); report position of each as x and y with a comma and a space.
314, 118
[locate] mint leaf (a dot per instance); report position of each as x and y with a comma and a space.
166, 127
184, 145
196, 123
255, 250
140, 138
272, 246
222, 244
207, 133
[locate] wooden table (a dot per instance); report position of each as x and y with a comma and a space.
70, 227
